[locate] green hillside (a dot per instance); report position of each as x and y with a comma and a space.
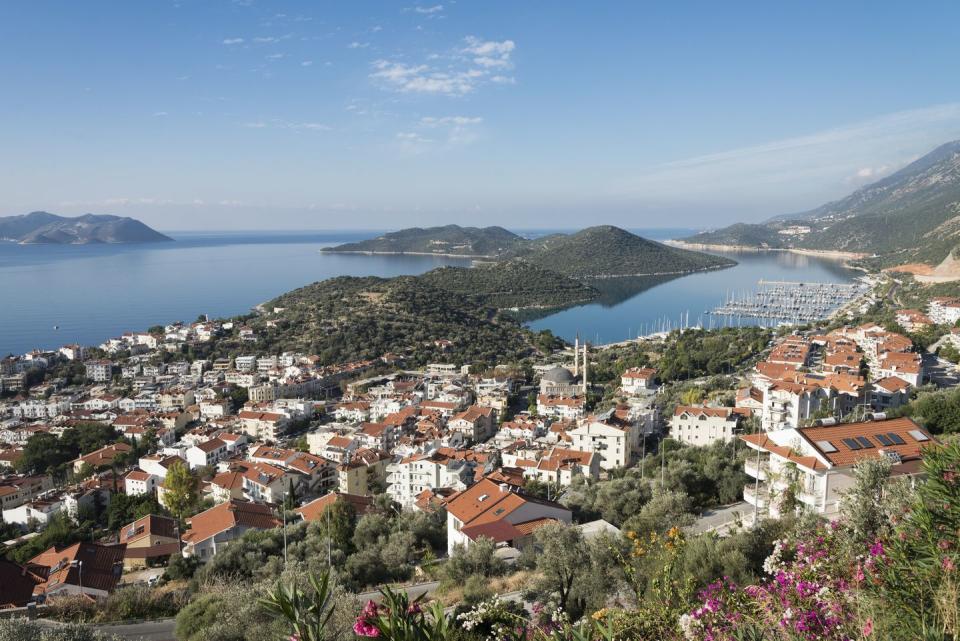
352, 318
742, 234
912, 215
607, 251
489, 242
514, 283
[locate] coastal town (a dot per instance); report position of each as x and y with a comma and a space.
165, 461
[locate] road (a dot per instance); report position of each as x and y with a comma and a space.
159, 630
719, 519
941, 373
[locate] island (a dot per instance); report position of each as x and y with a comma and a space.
603, 251
44, 228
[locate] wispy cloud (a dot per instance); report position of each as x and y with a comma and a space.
306, 63
453, 74
490, 53
437, 8
458, 121
233, 41
800, 172
358, 45
276, 123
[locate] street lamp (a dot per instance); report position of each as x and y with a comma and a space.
79, 566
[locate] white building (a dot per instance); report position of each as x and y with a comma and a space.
139, 482
816, 464
695, 425
206, 453
637, 380
944, 311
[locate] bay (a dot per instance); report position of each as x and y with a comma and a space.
51, 295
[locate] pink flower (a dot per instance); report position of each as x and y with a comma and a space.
947, 564
363, 628
876, 549
414, 609
859, 576
868, 628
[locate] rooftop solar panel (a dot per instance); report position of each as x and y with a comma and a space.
896, 438
852, 444
864, 441
884, 440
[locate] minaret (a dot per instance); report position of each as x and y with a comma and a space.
576, 355
584, 368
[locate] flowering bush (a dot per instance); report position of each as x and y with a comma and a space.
806, 598
493, 619
398, 618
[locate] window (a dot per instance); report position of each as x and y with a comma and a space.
864, 441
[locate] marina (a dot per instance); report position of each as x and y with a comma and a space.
790, 302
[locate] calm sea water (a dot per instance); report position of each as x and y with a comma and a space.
657, 304
51, 295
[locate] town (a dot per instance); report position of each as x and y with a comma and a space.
126, 464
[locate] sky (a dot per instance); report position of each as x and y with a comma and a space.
357, 114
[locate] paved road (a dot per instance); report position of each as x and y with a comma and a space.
161, 630
719, 519
941, 373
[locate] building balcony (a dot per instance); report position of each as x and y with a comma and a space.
758, 498
755, 470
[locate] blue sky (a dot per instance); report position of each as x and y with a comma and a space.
319, 115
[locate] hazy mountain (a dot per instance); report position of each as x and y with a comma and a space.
912, 214
41, 227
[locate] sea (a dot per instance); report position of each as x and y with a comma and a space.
51, 295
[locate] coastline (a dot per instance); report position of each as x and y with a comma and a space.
495, 259
376, 253
820, 253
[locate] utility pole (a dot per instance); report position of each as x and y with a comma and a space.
663, 462
283, 516
756, 493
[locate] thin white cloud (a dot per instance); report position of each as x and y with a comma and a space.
437, 8
233, 41
460, 121
358, 45
160, 114
800, 172
306, 63
490, 53
276, 56
286, 124
455, 73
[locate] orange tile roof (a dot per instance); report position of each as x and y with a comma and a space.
845, 455
313, 510
233, 513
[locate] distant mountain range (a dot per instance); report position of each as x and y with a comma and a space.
44, 228
595, 252
910, 216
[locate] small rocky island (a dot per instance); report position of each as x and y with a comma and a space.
44, 228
